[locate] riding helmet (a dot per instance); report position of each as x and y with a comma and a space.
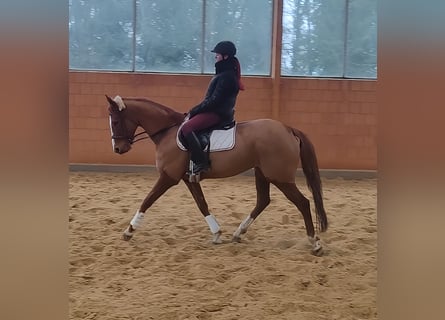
225, 48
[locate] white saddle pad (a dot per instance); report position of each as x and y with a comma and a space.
220, 140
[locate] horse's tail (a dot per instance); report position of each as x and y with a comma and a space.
312, 174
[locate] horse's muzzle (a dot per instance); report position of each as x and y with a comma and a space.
122, 149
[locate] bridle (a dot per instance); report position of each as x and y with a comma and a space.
131, 140
122, 129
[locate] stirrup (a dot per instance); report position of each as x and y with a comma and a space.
194, 177
195, 171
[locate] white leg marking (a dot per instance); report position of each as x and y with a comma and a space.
213, 224
317, 248
217, 238
136, 222
242, 228
215, 229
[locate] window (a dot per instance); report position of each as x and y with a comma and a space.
248, 24
100, 34
335, 38
168, 35
362, 39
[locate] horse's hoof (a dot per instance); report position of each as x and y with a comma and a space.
236, 239
127, 235
217, 238
317, 248
318, 252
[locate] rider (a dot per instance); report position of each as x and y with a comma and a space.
217, 108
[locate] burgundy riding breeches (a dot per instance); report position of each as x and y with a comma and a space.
199, 122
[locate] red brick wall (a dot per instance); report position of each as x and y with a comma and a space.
340, 116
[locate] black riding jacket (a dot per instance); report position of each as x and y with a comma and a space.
221, 93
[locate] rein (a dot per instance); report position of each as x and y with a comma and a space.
151, 136
139, 139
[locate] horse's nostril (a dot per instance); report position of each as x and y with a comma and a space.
116, 149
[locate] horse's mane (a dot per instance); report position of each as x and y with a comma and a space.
167, 110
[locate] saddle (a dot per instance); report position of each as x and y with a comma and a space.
216, 138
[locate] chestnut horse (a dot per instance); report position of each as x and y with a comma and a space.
273, 149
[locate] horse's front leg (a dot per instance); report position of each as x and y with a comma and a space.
161, 186
198, 195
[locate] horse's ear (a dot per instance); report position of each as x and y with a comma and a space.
112, 103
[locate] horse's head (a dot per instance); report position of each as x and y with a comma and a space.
122, 129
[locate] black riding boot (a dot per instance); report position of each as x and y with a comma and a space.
198, 156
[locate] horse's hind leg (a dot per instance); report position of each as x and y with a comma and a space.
291, 191
262, 201
198, 195
163, 184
